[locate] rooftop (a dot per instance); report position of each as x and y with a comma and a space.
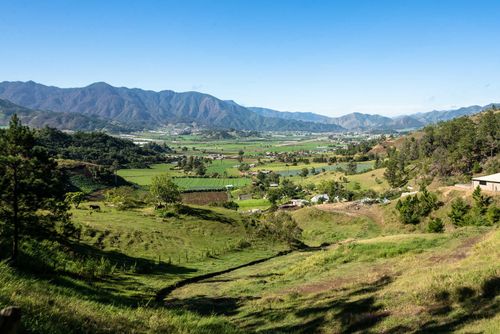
489, 178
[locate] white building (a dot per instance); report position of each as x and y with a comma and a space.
488, 182
320, 198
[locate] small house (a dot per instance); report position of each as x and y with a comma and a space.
299, 202
320, 198
488, 182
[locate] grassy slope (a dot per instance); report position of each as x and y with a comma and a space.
409, 283
409, 279
65, 306
122, 299
370, 180
203, 241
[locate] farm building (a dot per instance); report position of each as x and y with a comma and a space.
320, 198
488, 182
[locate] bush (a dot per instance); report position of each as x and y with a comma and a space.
281, 226
412, 208
232, 205
436, 225
124, 198
459, 209
409, 210
493, 215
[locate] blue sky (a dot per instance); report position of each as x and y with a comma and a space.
330, 57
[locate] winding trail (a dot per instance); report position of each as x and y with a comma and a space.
163, 293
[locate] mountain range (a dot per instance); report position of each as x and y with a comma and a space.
101, 106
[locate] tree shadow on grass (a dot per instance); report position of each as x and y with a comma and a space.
116, 286
204, 214
141, 265
350, 312
474, 306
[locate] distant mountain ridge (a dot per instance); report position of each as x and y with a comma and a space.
59, 120
365, 122
103, 106
149, 109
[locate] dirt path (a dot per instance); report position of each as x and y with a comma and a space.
160, 295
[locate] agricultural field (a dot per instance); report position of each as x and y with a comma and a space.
223, 167
204, 197
144, 176
249, 204
373, 179
289, 170
207, 183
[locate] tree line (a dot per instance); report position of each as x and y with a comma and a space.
460, 147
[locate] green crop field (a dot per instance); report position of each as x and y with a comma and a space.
194, 183
223, 166
249, 204
143, 176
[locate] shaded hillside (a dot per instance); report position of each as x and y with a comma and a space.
100, 148
58, 120
149, 109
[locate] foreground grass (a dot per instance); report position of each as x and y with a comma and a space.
50, 307
410, 283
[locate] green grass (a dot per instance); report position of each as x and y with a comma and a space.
196, 241
144, 176
325, 227
376, 275
65, 305
193, 183
290, 170
221, 166
406, 283
373, 179
85, 184
248, 204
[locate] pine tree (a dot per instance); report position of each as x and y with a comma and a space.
32, 196
459, 210
481, 202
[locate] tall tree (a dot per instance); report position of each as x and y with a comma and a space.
32, 196
489, 132
395, 173
165, 190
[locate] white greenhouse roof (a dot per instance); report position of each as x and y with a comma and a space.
489, 178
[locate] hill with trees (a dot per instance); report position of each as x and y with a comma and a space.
453, 149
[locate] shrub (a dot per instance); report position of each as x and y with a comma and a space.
459, 209
281, 226
436, 225
409, 210
232, 205
493, 215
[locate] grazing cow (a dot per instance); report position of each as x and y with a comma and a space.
95, 207
159, 206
